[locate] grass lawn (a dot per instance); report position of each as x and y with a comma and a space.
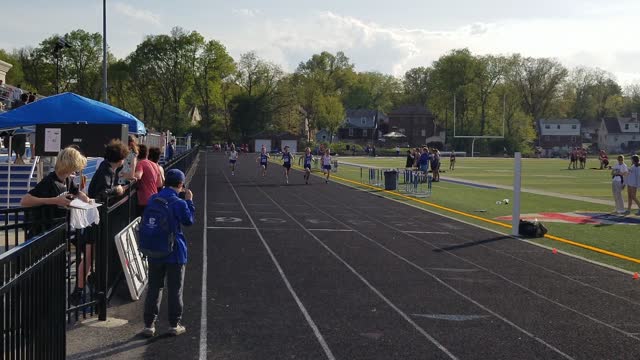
545, 174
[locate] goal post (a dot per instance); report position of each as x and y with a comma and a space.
476, 137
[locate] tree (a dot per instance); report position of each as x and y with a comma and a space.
538, 83
417, 85
372, 90
15, 76
213, 65
487, 73
330, 113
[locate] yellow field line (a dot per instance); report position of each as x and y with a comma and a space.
458, 212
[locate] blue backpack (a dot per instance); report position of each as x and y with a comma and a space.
156, 237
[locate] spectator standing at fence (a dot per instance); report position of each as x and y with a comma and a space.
154, 157
18, 145
410, 159
148, 179
435, 164
104, 183
57, 189
398, 150
423, 161
127, 173
171, 149
172, 267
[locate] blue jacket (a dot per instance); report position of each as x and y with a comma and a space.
424, 159
183, 212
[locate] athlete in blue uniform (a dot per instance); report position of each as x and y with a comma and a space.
326, 164
263, 158
308, 158
287, 160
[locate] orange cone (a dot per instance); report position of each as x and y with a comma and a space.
554, 251
636, 276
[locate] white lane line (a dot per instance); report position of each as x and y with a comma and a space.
366, 282
436, 278
334, 230
303, 309
229, 228
451, 317
427, 232
203, 298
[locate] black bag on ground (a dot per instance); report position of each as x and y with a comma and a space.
531, 229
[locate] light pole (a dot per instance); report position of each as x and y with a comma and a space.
104, 52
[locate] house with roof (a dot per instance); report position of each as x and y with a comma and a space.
619, 134
417, 123
361, 125
559, 135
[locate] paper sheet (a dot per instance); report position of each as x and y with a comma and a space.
52, 140
79, 204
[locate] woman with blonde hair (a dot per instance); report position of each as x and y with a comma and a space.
128, 171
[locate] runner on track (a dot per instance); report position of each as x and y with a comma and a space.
308, 158
326, 164
263, 159
233, 158
287, 159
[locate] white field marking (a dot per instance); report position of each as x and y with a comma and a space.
366, 282
336, 230
427, 232
203, 297
454, 270
303, 309
451, 317
450, 287
229, 228
566, 307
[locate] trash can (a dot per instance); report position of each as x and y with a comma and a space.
390, 180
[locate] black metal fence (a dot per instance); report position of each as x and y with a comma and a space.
53, 276
32, 298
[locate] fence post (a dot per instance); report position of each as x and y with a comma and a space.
102, 262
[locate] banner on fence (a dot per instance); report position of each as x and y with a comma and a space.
133, 264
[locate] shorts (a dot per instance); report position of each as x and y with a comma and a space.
326, 167
264, 164
307, 166
232, 161
435, 165
424, 168
287, 166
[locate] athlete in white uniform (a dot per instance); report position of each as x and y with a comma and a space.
326, 164
233, 159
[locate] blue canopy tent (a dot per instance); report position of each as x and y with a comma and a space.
69, 108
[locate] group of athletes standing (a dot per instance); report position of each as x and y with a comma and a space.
287, 160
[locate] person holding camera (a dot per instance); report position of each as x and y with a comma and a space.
172, 266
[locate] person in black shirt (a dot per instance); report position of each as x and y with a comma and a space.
53, 194
105, 181
410, 159
57, 189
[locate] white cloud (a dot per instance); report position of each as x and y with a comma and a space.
246, 12
137, 14
598, 42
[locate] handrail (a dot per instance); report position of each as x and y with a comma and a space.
33, 169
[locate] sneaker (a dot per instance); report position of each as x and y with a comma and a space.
149, 331
232, 173
178, 330
287, 180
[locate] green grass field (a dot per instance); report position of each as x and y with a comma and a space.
542, 174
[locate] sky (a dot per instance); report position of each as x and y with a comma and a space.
377, 35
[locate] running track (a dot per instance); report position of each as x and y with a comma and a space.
323, 271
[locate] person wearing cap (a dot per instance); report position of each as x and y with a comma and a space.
172, 267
